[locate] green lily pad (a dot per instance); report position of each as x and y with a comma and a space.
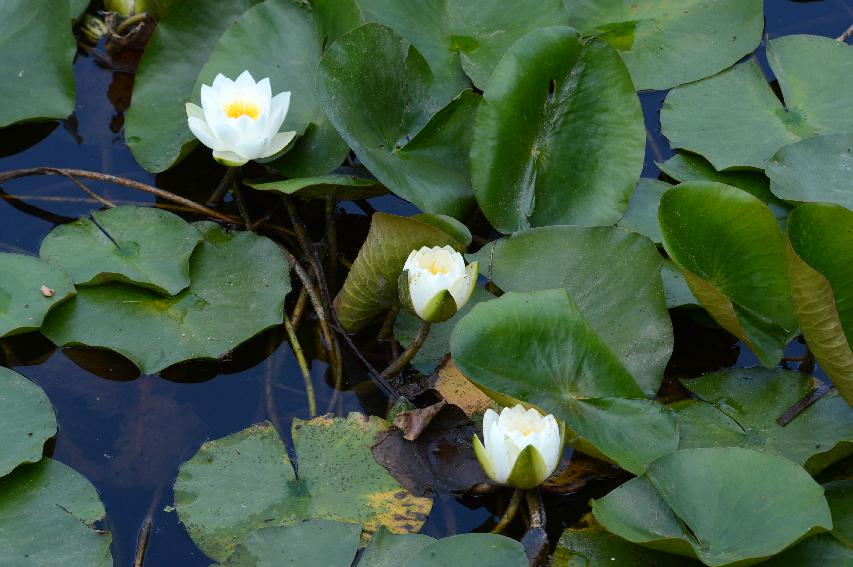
78, 7
818, 169
344, 187
735, 120
475, 35
739, 407
839, 496
666, 43
610, 274
591, 546
23, 303
371, 285
309, 544
559, 137
729, 247
27, 420
387, 549
537, 347
470, 549
286, 28
642, 213
380, 94
675, 287
156, 123
684, 167
724, 506
245, 481
47, 517
37, 49
238, 282
437, 343
820, 257
143, 246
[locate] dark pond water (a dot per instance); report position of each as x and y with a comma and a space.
128, 433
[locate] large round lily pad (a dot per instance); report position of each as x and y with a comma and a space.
245, 481
309, 544
739, 408
143, 246
735, 120
475, 35
470, 549
593, 546
238, 282
820, 260
286, 28
538, 347
37, 49
642, 213
388, 549
381, 96
610, 274
818, 169
666, 43
371, 285
27, 420
29, 288
729, 247
724, 506
47, 517
156, 125
559, 136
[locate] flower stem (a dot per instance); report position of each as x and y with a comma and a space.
223, 187
409, 353
509, 513
536, 508
303, 365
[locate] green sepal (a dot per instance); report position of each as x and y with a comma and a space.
483, 457
472, 270
440, 308
529, 470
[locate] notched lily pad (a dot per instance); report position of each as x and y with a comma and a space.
47, 517
27, 420
761, 505
739, 408
342, 186
29, 288
142, 246
238, 281
642, 213
245, 481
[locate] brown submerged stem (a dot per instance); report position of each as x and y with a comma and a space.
409, 353
224, 185
303, 366
510, 512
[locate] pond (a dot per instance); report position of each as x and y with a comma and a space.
128, 432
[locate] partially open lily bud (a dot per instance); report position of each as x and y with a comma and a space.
435, 283
520, 447
239, 120
125, 7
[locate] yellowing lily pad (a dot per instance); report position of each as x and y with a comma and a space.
245, 481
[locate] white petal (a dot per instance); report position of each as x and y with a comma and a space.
226, 130
272, 122
264, 92
551, 448
245, 81
489, 418
210, 104
194, 111
249, 144
202, 131
459, 290
281, 100
498, 454
230, 159
278, 143
220, 82
411, 261
421, 290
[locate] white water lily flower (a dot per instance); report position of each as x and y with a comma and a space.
520, 447
435, 282
239, 120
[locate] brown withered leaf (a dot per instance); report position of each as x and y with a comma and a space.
441, 459
455, 387
413, 422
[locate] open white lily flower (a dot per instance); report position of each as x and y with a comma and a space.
435, 282
239, 120
522, 448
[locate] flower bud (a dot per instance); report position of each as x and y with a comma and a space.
520, 448
435, 283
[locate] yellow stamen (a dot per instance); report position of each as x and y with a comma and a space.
238, 108
436, 268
